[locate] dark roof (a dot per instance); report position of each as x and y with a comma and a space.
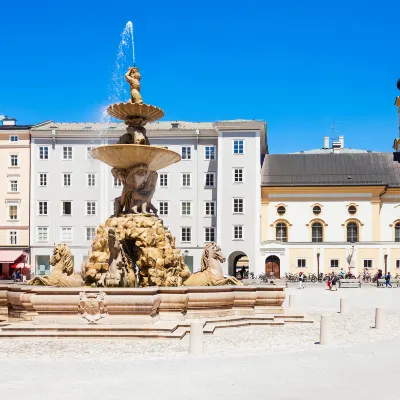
331, 169
14, 127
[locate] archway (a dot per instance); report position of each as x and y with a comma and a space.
273, 264
238, 262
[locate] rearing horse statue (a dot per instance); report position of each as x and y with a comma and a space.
211, 270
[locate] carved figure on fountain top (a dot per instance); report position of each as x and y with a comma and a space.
133, 78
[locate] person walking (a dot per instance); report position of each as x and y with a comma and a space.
329, 281
387, 279
301, 280
379, 276
334, 281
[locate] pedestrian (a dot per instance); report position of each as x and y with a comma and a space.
341, 273
301, 280
379, 276
243, 272
334, 281
329, 282
387, 278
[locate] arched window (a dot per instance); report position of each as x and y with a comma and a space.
281, 231
352, 232
397, 232
316, 232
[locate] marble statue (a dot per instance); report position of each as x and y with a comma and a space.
62, 274
211, 270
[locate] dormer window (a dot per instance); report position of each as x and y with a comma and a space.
175, 125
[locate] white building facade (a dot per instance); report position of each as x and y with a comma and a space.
212, 194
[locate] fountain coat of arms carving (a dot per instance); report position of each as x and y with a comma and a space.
91, 306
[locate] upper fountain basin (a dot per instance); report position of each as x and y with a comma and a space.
127, 111
129, 155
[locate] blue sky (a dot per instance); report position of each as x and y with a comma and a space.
296, 64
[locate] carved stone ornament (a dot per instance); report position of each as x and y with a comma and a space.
91, 306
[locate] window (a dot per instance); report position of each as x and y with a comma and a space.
43, 265
42, 234
43, 179
210, 208
209, 234
14, 138
90, 208
238, 175
163, 207
397, 232
316, 232
14, 160
334, 263
66, 233
397, 263
13, 212
43, 153
238, 147
210, 179
91, 180
316, 210
90, 234
352, 210
186, 208
12, 237
163, 180
281, 232
88, 150
13, 185
117, 182
186, 235
67, 153
67, 180
281, 210
209, 152
238, 207
67, 208
165, 147
368, 263
186, 152
352, 232
42, 208
301, 263
186, 180
237, 232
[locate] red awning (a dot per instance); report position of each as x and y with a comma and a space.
21, 265
9, 256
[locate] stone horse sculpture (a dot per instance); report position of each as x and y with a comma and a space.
62, 274
211, 270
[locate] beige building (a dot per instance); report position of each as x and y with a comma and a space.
14, 194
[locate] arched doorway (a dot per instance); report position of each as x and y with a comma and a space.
273, 264
238, 262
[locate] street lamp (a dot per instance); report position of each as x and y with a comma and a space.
385, 257
318, 254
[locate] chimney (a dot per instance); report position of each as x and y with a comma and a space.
341, 141
9, 121
326, 142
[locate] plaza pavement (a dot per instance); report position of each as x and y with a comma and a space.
255, 362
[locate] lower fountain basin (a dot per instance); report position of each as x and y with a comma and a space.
129, 155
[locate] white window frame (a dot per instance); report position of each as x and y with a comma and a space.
10, 160
10, 179
234, 233
334, 259
233, 205
233, 175
91, 174
16, 237
205, 152
72, 233
38, 208
186, 241
297, 262
13, 136
397, 261
63, 154
167, 178
63, 179
38, 153
112, 207
88, 150
205, 179
117, 183
86, 233
11, 203
190, 153
190, 207
190, 179
205, 208
62, 208
46, 179
368, 259
233, 147
38, 228
160, 208
212, 229
86, 207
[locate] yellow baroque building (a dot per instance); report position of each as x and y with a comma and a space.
330, 208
